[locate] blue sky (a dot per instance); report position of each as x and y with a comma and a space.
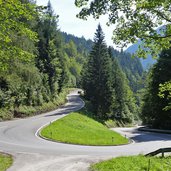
69, 23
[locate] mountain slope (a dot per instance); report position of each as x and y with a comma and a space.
146, 63
81, 43
131, 66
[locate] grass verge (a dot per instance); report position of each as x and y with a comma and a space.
134, 163
5, 162
77, 128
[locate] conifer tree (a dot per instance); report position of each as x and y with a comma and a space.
123, 106
48, 60
97, 77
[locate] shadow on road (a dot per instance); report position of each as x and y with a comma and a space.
74, 104
140, 136
64, 111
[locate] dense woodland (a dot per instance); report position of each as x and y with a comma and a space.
37, 66
156, 110
105, 83
48, 62
39, 63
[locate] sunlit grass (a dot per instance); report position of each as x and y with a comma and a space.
77, 128
134, 163
5, 162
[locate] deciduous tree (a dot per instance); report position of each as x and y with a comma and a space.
154, 109
13, 31
134, 20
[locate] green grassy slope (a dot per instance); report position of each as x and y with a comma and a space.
80, 129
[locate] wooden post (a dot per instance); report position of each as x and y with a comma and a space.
51, 133
148, 169
162, 153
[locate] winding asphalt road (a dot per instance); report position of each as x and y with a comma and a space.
31, 153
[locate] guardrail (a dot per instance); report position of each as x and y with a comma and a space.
159, 151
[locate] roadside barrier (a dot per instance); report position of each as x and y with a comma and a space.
159, 151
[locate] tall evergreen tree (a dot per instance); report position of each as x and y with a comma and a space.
97, 77
123, 106
48, 60
153, 111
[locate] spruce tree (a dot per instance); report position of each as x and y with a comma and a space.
123, 106
96, 79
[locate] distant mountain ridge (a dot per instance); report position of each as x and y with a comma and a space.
146, 63
81, 42
149, 61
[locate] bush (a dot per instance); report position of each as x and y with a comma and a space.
5, 114
25, 111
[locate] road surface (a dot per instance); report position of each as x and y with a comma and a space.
31, 153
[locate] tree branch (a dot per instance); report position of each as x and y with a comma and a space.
158, 37
162, 15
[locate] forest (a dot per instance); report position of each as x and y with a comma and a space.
39, 64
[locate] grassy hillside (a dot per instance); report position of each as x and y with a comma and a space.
77, 128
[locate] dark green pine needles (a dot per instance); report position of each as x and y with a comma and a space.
105, 84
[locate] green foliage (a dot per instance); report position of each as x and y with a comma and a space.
46, 106
83, 46
71, 49
31, 85
5, 114
106, 86
37, 62
5, 162
165, 92
22, 86
138, 20
75, 52
48, 60
96, 79
131, 67
29, 110
124, 107
77, 128
133, 163
14, 31
154, 109
114, 123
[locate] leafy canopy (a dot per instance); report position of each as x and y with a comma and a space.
165, 92
134, 20
156, 107
14, 27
